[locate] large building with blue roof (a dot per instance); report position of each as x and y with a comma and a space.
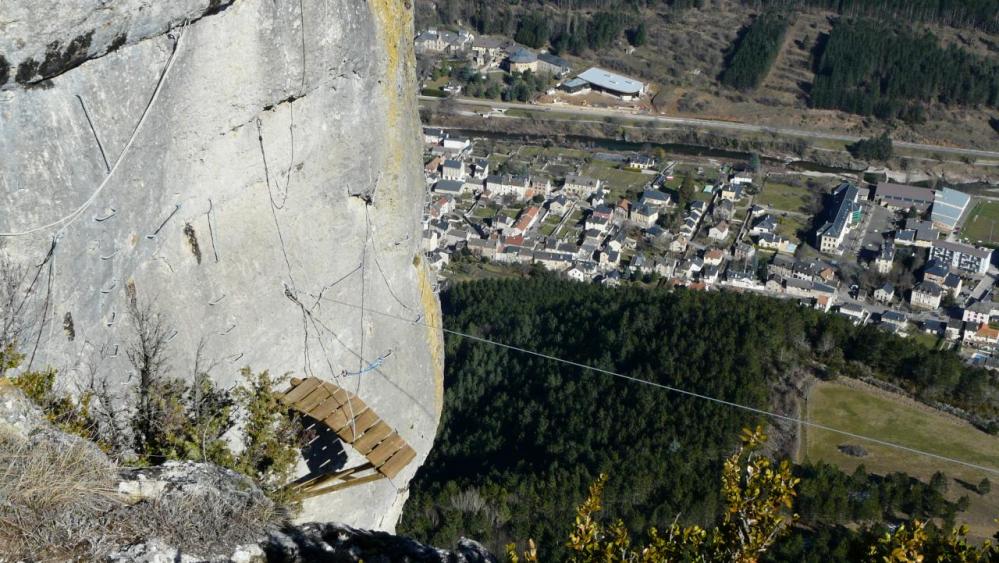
612, 83
948, 207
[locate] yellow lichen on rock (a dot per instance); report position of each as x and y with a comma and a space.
394, 22
433, 320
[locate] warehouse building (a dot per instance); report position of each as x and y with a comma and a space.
901, 196
610, 83
948, 206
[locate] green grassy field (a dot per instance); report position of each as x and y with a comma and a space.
928, 340
618, 181
702, 195
790, 226
552, 152
983, 223
495, 160
865, 410
786, 197
484, 212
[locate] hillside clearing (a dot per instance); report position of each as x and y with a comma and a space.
856, 407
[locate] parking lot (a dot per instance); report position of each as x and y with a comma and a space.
869, 235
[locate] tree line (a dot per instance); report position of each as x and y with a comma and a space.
873, 148
515, 86
576, 33
878, 68
522, 437
755, 51
979, 14
495, 16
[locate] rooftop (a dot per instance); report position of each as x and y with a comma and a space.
655, 195
448, 186
487, 42
948, 205
936, 268
553, 60
887, 251
894, 316
983, 253
523, 56
846, 198
904, 193
611, 81
851, 308
986, 331
582, 181
927, 287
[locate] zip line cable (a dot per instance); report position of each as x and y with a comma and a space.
678, 390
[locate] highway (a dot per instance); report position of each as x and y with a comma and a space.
635, 115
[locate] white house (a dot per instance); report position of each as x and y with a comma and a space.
580, 186
926, 295
453, 169
719, 231
644, 215
885, 293
977, 313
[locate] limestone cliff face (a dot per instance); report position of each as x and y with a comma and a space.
250, 168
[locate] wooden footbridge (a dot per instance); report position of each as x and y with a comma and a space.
357, 425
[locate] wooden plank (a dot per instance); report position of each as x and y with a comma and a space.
339, 394
351, 431
340, 486
401, 459
356, 405
338, 419
316, 398
366, 420
385, 449
370, 439
312, 400
340, 422
344, 415
317, 480
325, 409
300, 391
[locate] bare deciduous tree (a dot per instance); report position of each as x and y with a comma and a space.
13, 299
106, 409
147, 352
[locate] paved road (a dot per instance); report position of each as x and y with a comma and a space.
705, 123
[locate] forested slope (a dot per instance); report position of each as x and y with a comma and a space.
875, 68
885, 58
755, 51
523, 436
979, 14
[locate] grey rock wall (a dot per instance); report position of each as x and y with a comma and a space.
252, 170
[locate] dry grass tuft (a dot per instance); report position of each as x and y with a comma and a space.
222, 511
57, 500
